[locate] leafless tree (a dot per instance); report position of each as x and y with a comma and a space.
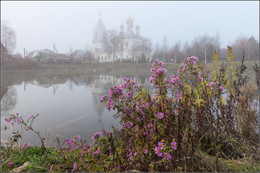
71, 50
113, 42
176, 52
252, 49
239, 46
8, 37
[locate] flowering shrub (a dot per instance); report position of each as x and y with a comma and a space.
171, 122
159, 121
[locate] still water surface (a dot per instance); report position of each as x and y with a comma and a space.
67, 106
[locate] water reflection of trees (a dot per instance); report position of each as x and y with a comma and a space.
8, 101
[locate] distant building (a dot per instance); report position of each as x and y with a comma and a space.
78, 54
47, 55
126, 46
40, 55
82, 55
16, 56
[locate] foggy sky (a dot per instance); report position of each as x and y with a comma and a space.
70, 24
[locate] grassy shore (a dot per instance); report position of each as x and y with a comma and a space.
32, 160
112, 69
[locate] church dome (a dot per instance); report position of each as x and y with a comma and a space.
129, 20
100, 26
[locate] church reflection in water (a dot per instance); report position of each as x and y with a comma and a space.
100, 85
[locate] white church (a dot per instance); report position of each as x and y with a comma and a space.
125, 46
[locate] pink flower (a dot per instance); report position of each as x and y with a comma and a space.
211, 84
160, 115
158, 151
96, 135
129, 124
200, 79
152, 79
167, 156
160, 145
174, 145
75, 166
131, 158
51, 167
129, 95
21, 168
103, 97
145, 151
118, 167
78, 136
10, 164
8, 120
18, 120
96, 152
164, 71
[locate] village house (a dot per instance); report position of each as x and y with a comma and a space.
47, 55
82, 55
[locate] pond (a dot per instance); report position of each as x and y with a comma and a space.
68, 105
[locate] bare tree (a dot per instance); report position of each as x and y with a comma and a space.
252, 49
112, 43
176, 52
8, 37
239, 46
70, 53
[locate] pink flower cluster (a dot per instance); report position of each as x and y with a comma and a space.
96, 135
25, 145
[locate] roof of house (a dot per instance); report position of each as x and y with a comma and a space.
16, 56
79, 52
46, 51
